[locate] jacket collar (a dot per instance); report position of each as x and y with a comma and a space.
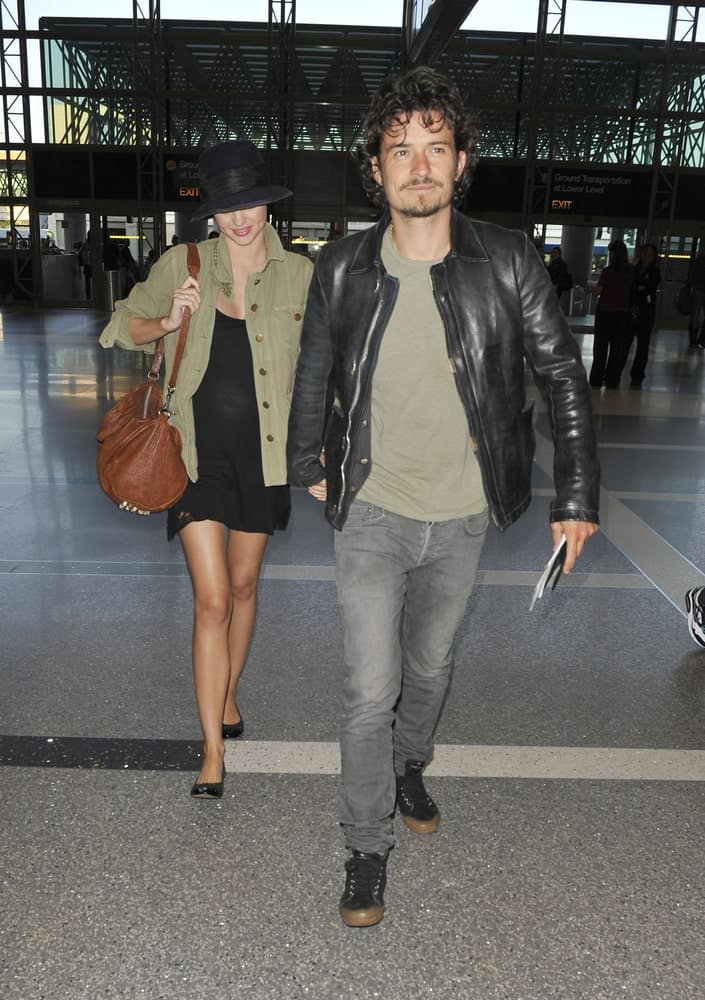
223, 269
464, 239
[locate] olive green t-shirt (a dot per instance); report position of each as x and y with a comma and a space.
422, 462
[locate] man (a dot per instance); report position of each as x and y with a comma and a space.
559, 273
85, 263
411, 377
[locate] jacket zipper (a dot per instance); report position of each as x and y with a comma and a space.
468, 404
357, 370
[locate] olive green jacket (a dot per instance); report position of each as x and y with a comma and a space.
274, 303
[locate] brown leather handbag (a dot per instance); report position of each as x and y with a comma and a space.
139, 452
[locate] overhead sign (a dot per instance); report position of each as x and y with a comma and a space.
181, 178
587, 192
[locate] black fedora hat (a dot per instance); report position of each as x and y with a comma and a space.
232, 175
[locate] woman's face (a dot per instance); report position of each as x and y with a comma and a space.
244, 226
647, 256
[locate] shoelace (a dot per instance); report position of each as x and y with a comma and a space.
414, 793
364, 874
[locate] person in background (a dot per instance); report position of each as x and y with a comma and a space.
612, 318
696, 281
231, 407
558, 272
695, 606
647, 278
85, 262
127, 265
149, 262
411, 379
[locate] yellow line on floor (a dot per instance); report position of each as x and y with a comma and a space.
459, 761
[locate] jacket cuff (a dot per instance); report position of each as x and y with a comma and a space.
574, 514
309, 476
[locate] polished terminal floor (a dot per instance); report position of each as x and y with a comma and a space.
570, 764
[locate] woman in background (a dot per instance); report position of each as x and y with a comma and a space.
612, 318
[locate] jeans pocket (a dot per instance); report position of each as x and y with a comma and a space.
361, 514
476, 524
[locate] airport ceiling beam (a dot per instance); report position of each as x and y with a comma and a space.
281, 117
149, 87
429, 26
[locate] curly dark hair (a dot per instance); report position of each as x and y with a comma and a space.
432, 94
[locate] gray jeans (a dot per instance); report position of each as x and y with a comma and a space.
403, 586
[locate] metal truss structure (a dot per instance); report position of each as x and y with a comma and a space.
542, 99
16, 136
148, 67
576, 99
281, 104
428, 28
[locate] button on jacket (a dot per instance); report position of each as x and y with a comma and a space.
274, 301
498, 309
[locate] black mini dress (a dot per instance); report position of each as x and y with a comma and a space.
230, 487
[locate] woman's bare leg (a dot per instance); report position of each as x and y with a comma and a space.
205, 549
244, 556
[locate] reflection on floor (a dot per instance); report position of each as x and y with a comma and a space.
571, 756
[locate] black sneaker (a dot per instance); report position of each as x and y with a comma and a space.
362, 902
417, 808
696, 613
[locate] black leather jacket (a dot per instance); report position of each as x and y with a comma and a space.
498, 307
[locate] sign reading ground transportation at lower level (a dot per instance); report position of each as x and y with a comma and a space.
588, 192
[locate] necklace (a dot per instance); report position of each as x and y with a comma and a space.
226, 287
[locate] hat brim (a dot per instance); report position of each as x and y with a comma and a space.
247, 199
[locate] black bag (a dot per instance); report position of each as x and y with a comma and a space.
684, 300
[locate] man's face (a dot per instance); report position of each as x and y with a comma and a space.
555, 253
418, 166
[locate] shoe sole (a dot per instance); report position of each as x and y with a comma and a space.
693, 626
361, 918
422, 826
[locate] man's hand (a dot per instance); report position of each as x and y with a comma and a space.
576, 534
318, 490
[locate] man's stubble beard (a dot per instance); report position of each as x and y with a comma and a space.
426, 210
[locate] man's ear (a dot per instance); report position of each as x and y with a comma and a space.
376, 171
462, 160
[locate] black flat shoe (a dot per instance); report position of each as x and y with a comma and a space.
231, 731
209, 789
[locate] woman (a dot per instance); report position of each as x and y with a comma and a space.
231, 407
611, 317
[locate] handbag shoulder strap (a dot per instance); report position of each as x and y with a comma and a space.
193, 263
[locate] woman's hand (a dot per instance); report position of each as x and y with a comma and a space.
146, 331
186, 296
